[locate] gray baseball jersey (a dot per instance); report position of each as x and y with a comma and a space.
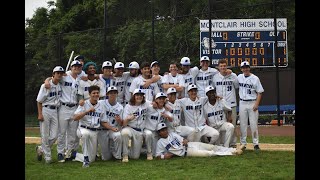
215, 113
189, 78
83, 88
120, 83
249, 87
172, 144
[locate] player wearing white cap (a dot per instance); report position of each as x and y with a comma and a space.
139, 83
155, 69
134, 72
175, 109
106, 76
226, 85
82, 73
194, 116
120, 79
188, 74
111, 140
48, 102
155, 115
90, 68
250, 93
89, 116
134, 115
173, 80
214, 112
69, 101
172, 144
205, 75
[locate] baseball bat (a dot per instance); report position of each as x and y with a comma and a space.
69, 61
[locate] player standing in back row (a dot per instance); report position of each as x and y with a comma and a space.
250, 93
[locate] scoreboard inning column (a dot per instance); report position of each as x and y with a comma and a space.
252, 40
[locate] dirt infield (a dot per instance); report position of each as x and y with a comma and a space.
263, 131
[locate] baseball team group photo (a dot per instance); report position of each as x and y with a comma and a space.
160, 89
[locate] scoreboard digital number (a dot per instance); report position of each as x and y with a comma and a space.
251, 40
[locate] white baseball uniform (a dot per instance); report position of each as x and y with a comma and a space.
175, 125
215, 113
160, 82
106, 83
79, 75
120, 83
127, 94
173, 144
50, 100
69, 103
189, 78
194, 117
134, 130
83, 89
150, 91
88, 129
204, 79
114, 146
226, 88
248, 89
169, 79
153, 118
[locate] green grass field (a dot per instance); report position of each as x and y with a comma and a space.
249, 165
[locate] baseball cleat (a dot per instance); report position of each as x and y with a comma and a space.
60, 158
48, 161
125, 158
39, 153
149, 156
85, 165
256, 147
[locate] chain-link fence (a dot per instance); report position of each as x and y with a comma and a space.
147, 30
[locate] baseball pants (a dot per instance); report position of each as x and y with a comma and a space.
207, 131
136, 139
199, 149
111, 144
69, 126
245, 112
236, 133
48, 130
151, 139
89, 140
226, 131
185, 131
103, 142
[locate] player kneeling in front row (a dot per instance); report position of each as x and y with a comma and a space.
89, 115
171, 144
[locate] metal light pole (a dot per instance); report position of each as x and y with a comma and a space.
276, 61
153, 52
105, 30
210, 51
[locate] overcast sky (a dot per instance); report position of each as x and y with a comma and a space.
32, 5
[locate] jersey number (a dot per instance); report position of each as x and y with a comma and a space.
229, 88
248, 91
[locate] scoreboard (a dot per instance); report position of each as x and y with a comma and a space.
252, 40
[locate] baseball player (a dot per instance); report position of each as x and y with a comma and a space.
79, 58
155, 69
155, 115
205, 75
188, 74
48, 102
173, 80
120, 79
226, 85
175, 109
69, 85
113, 122
90, 69
89, 116
134, 72
194, 116
172, 144
214, 112
250, 93
139, 83
134, 115
106, 76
